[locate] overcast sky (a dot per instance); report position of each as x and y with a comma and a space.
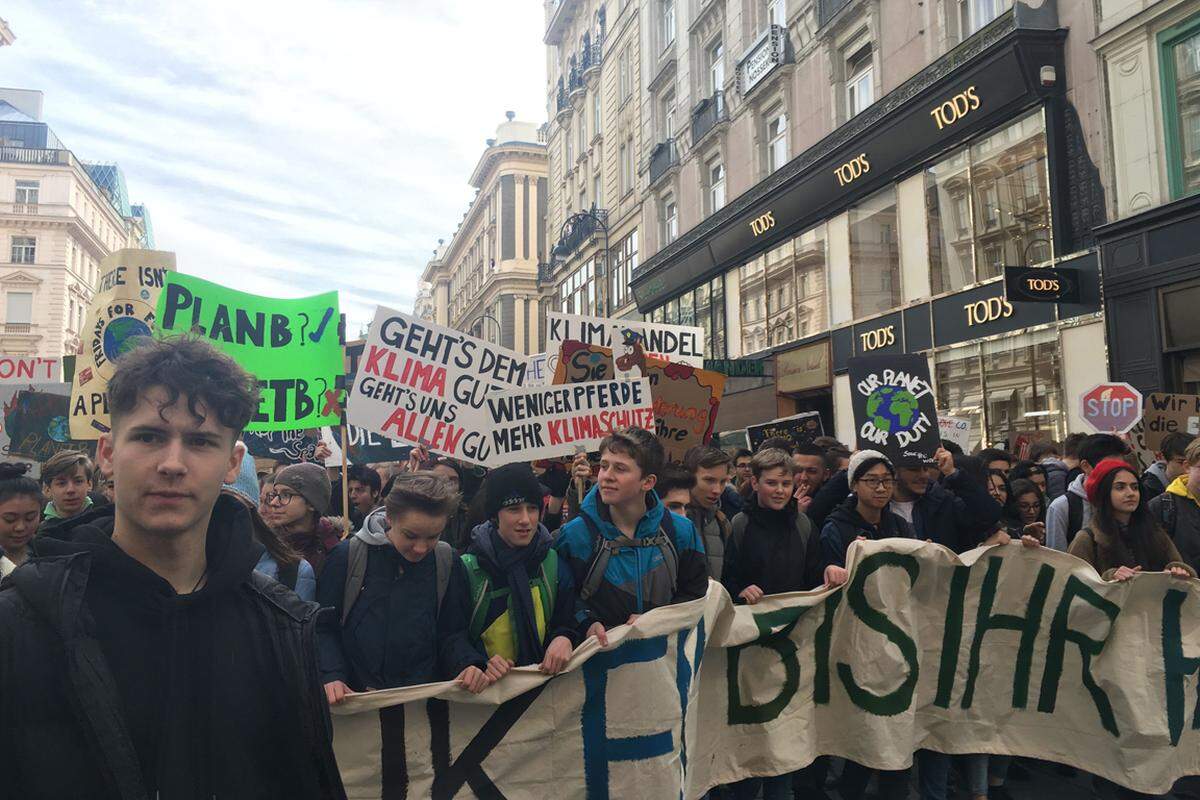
287, 148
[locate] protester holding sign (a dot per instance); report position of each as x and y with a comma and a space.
626, 552
20, 512
957, 512
522, 594
141, 641
400, 600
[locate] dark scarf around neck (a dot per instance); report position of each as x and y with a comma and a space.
516, 564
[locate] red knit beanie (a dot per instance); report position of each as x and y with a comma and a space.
1091, 484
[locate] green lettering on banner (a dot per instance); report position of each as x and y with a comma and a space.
781, 642
952, 636
1028, 625
291, 346
1176, 666
1061, 633
822, 645
897, 701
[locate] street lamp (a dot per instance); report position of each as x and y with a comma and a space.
486, 315
560, 251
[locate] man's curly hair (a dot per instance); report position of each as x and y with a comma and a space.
185, 366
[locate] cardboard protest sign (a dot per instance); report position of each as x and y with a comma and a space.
367, 447
957, 430
286, 447
123, 309
733, 440
798, 429
894, 406
1170, 413
681, 344
290, 346
36, 422
528, 424
540, 369
686, 399
421, 383
28, 369
911, 653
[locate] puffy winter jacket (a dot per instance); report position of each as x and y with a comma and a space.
634, 576
957, 513
845, 524
1178, 512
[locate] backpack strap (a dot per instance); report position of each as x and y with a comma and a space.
443, 555
356, 573
1167, 512
550, 578
1074, 515
668, 544
598, 562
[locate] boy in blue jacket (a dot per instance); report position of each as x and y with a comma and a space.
626, 552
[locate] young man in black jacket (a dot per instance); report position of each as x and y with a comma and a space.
142, 655
956, 512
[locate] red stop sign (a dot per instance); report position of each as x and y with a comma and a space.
1111, 407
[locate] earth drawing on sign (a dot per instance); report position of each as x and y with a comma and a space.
120, 336
893, 409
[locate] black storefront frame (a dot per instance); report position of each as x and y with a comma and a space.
1140, 256
727, 239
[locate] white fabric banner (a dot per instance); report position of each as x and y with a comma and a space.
1001, 650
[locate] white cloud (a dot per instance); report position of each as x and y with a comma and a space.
287, 147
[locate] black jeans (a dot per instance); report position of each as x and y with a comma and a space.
893, 784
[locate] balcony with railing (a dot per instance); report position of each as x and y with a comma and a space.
590, 59
663, 158
706, 116
38, 156
16, 327
581, 231
25, 208
828, 9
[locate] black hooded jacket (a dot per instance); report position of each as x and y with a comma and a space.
845, 524
114, 686
777, 551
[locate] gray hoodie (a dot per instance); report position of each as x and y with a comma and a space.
1058, 514
375, 527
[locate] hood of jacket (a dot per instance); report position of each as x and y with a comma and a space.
1179, 487
1076, 486
846, 516
1159, 470
762, 516
647, 526
483, 547
81, 551
374, 528
1054, 465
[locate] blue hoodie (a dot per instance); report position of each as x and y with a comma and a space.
636, 579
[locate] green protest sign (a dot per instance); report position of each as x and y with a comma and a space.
291, 346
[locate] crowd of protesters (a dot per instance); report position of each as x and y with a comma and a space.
159, 625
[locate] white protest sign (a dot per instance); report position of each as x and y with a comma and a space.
417, 383
528, 424
538, 370
912, 652
682, 344
957, 430
29, 369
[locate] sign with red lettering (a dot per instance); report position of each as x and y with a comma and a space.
686, 399
1111, 407
420, 383
29, 369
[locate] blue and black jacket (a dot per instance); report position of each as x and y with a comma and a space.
636, 579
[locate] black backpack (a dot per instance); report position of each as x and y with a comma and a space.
1074, 515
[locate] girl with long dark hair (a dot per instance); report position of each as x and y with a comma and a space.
20, 512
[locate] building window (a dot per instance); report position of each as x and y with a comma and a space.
716, 184
625, 261
704, 307
583, 141
568, 152
667, 116
777, 139
596, 113
597, 201
667, 23
583, 204
623, 166
811, 305
1179, 59
947, 206
27, 193
974, 14
874, 254
716, 68
1011, 196
777, 13
24, 249
670, 220
783, 293
860, 81
577, 292
18, 308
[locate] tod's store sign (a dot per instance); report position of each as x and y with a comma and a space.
884, 146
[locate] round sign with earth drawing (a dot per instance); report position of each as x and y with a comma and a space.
893, 409
118, 327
